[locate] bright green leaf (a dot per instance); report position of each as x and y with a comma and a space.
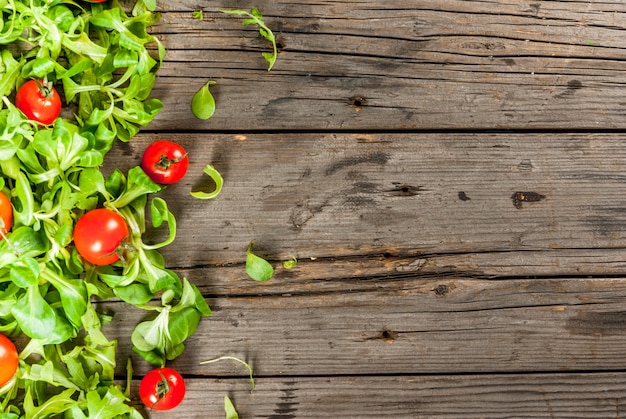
34, 315
150, 4
54, 406
85, 46
111, 405
134, 293
73, 293
159, 213
258, 268
229, 408
291, 263
25, 272
217, 179
203, 102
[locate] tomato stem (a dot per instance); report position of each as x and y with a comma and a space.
165, 162
162, 388
45, 88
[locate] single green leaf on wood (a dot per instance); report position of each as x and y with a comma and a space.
203, 102
210, 171
229, 408
291, 263
258, 268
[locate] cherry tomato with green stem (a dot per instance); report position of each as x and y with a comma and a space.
165, 162
39, 101
99, 236
8, 360
162, 389
6, 214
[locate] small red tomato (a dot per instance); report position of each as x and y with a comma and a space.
165, 162
6, 215
8, 360
162, 389
39, 101
98, 235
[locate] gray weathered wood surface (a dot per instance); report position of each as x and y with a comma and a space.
408, 65
449, 175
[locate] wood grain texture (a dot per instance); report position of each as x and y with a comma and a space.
573, 396
447, 199
398, 65
448, 266
408, 326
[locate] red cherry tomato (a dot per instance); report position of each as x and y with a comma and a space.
8, 360
162, 389
39, 101
165, 162
6, 215
98, 235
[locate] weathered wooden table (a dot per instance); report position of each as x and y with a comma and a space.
451, 177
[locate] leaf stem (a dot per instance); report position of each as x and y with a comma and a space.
233, 358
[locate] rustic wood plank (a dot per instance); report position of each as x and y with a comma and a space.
407, 326
374, 272
398, 66
468, 396
451, 200
437, 273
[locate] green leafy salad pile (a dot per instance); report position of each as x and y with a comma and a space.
97, 56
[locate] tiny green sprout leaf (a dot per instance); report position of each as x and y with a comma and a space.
291, 263
203, 103
256, 18
229, 408
258, 268
210, 171
198, 14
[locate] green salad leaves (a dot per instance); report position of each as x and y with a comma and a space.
102, 57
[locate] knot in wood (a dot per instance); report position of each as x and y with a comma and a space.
441, 290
